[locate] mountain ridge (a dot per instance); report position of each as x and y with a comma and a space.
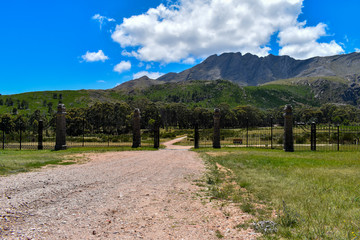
251, 70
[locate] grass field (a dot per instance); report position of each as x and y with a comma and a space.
15, 161
309, 195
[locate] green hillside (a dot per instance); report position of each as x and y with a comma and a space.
211, 93
206, 94
47, 101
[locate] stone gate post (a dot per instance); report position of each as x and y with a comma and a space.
216, 137
196, 136
60, 128
313, 137
136, 129
156, 135
288, 129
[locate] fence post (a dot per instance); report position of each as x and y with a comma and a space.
216, 137
83, 131
313, 137
40, 135
329, 134
338, 137
247, 132
4, 126
136, 129
288, 129
60, 128
271, 136
20, 137
196, 136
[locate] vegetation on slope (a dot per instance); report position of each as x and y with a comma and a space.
211, 93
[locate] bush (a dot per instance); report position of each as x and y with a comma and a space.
301, 139
168, 135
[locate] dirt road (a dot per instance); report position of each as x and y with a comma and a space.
116, 195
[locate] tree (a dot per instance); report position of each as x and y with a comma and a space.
50, 108
19, 123
24, 104
34, 119
228, 117
122, 112
6, 124
248, 115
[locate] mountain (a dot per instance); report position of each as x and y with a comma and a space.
334, 79
251, 70
137, 84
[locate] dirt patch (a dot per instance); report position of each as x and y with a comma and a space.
117, 195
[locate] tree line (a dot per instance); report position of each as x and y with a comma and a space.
116, 118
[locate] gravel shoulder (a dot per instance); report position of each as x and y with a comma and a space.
117, 195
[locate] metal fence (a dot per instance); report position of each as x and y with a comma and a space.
326, 137
80, 133
322, 137
30, 138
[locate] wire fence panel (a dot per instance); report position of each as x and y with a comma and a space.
315, 137
327, 137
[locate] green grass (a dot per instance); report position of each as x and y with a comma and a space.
15, 161
315, 195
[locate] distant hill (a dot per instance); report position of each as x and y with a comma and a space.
265, 82
251, 70
137, 84
334, 79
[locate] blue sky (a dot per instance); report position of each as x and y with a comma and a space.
92, 44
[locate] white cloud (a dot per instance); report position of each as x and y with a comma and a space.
198, 28
302, 42
357, 49
100, 81
95, 56
122, 66
189, 60
152, 75
193, 29
148, 66
311, 49
102, 19
126, 53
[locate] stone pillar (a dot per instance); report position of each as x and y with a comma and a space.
216, 137
196, 136
288, 129
156, 135
60, 128
40, 135
136, 129
313, 137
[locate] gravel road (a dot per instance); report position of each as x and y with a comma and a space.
117, 195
